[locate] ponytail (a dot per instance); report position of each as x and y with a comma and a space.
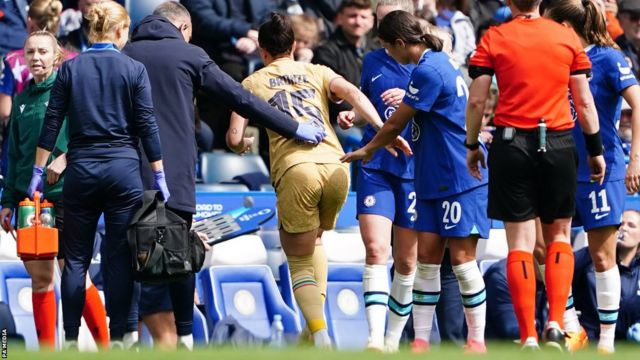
45, 14
104, 18
595, 26
400, 25
584, 17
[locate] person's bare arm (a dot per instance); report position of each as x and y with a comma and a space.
632, 178
588, 118
478, 93
361, 104
235, 135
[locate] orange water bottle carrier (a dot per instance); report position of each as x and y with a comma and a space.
37, 234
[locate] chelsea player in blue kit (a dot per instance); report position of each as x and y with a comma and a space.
600, 206
451, 204
386, 199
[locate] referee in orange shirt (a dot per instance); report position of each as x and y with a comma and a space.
533, 159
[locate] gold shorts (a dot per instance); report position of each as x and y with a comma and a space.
310, 196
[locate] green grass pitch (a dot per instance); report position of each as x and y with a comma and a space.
497, 351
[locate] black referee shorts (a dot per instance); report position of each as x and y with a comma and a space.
525, 183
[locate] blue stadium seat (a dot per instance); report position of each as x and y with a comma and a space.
486, 264
344, 308
250, 295
200, 329
15, 290
219, 166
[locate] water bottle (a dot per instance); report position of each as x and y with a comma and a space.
277, 332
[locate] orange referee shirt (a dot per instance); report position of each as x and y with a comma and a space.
533, 60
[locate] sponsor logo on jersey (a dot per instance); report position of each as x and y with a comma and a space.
369, 201
450, 226
412, 90
624, 70
375, 77
600, 216
22, 108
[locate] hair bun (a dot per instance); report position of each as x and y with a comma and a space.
55, 8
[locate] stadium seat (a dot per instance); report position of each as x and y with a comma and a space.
221, 188
15, 290
344, 247
493, 248
8, 249
486, 264
200, 329
581, 240
243, 250
220, 166
250, 295
344, 308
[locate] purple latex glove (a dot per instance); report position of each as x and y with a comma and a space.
310, 132
160, 183
36, 181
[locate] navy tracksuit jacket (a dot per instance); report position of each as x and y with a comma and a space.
107, 98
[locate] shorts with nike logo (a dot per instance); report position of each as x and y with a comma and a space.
457, 216
599, 205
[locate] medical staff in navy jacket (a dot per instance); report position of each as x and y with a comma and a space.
175, 76
107, 98
584, 288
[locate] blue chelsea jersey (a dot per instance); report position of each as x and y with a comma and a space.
611, 74
380, 72
439, 93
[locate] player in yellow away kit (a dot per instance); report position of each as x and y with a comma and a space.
310, 181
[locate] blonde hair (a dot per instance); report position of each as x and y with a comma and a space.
305, 28
46, 14
57, 49
104, 18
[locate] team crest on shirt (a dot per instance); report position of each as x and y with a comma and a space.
415, 131
369, 201
389, 111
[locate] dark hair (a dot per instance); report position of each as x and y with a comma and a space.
276, 35
360, 4
400, 25
585, 18
526, 5
172, 11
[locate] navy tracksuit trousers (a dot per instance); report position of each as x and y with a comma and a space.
113, 187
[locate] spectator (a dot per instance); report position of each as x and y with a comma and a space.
325, 11
226, 29
426, 9
501, 319
584, 280
13, 25
168, 32
305, 28
344, 51
459, 26
78, 40
629, 42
